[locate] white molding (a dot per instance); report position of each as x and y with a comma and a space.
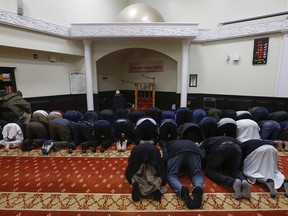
134, 30
12, 19
251, 30
138, 30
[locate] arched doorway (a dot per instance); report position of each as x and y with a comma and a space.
113, 73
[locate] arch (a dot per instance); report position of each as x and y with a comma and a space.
111, 76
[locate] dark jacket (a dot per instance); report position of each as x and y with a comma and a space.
192, 132
17, 104
119, 102
145, 153
176, 147
212, 143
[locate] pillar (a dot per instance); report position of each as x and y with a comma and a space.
184, 83
88, 72
282, 87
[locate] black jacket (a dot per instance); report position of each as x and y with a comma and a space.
145, 153
119, 102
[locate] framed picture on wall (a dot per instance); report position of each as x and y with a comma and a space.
193, 80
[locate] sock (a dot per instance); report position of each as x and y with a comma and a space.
135, 192
271, 186
185, 196
197, 192
237, 189
246, 193
286, 187
157, 195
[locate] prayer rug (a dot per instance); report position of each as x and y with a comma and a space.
94, 184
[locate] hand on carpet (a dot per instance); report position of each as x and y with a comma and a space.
279, 145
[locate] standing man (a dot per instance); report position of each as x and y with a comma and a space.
119, 101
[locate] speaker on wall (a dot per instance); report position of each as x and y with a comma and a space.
20, 7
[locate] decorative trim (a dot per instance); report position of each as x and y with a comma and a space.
111, 153
113, 202
257, 29
11, 19
133, 30
141, 30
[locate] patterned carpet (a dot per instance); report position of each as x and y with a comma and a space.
85, 184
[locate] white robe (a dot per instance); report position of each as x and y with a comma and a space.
247, 129
262, 163
12, 136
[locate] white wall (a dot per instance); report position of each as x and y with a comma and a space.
115, 69
12, 37
40, 77
170, 48
208, 60
65, 12
207, 13
218, 76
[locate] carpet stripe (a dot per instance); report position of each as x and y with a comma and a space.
76, 153
14, 203
122, 202
63, 153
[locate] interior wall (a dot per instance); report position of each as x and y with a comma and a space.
40, 77
218, 75
209, 13
117, 75
13, 37
208, 60
170, 48
66, 12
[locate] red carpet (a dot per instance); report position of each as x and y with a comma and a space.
94, 184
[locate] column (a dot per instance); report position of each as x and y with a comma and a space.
282, 87
88, 72
184, 83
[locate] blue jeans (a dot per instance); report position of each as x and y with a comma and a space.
174, 164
